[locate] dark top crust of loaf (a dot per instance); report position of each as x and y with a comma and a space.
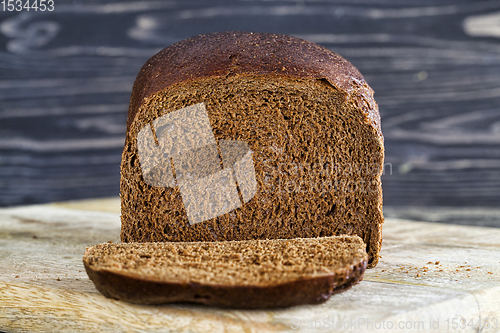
113, 270
247, 53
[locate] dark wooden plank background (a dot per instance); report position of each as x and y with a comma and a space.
66, 78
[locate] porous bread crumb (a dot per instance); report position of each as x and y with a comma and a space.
303, 179
262, 262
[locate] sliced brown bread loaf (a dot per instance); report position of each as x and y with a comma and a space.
308, 129
237, 274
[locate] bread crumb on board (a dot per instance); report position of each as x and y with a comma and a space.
438, 270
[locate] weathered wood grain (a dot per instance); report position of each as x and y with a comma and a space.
66, 78
428, 272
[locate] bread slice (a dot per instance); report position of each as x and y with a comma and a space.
236, 274
307, 125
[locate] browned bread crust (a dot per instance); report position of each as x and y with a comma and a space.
151, 281
242, 53
294, 103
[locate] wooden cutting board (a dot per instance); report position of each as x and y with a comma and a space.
431, 277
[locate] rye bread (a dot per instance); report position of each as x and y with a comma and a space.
236, 274
306, 114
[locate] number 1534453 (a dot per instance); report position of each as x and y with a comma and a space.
27, 5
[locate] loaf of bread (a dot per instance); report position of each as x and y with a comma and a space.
249, 136
236, 274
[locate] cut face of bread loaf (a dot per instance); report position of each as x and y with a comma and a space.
241, 136
237, 274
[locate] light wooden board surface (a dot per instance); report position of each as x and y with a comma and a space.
44, 287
